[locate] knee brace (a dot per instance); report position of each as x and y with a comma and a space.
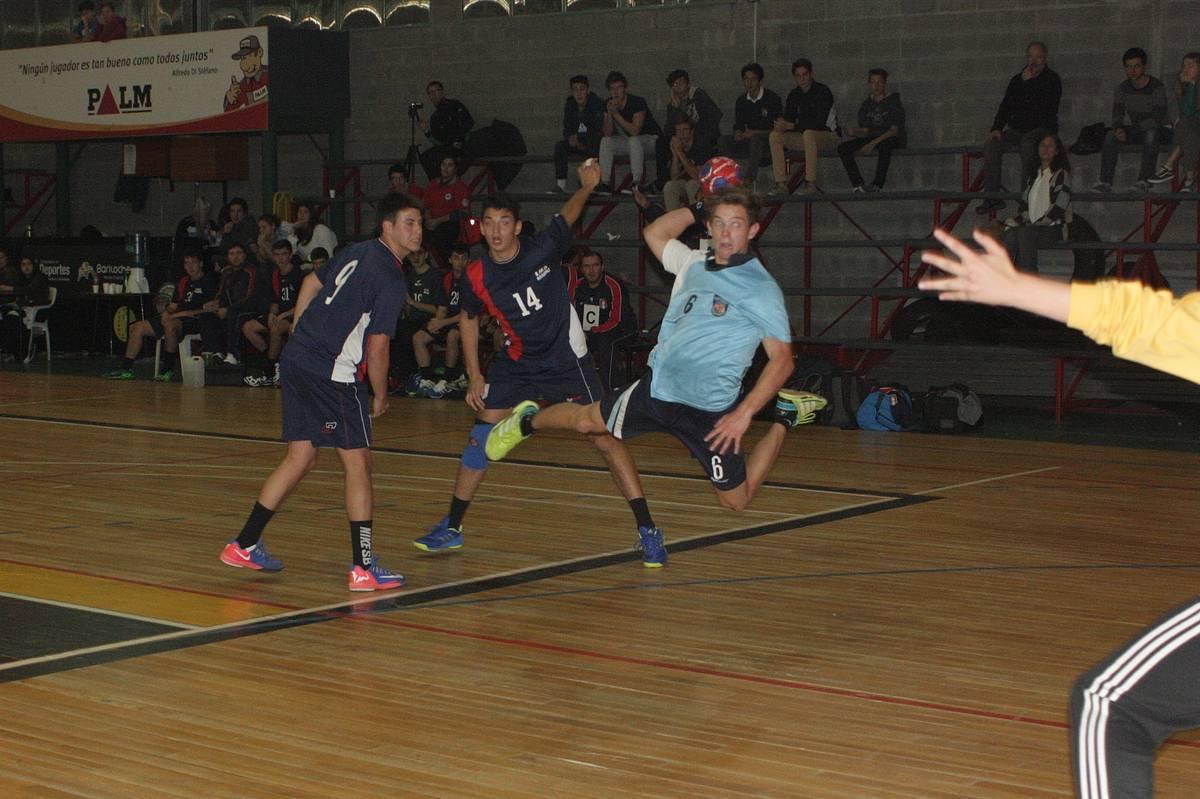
473, 456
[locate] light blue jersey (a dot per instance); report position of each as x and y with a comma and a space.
714, 323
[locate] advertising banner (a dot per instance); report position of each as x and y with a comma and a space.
212, 82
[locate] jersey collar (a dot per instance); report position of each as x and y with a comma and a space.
710, 260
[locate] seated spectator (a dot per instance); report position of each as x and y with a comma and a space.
308, 233
87, 28
1028, 110
198, 230
602, 302
880, 127
112, 25
268, 234
319, 256
275, 322
1046, 206
241, 228
181, 317
447, 128
447, 201
425, 301
443, 330
1140, 99
235, 301
687, 156
685, 101
808, 121
29, 287
1187, 128
571, 259
754, 115
8, 275
629, 129
583, 123
398, 183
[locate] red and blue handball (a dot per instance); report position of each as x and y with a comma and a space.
719, 173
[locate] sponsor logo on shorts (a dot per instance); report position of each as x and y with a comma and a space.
329, 428
719, 306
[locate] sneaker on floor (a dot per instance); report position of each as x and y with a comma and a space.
425, 387
650, 544
1142, 186
1163, 175
460, 383
256, 557
794, 408
1102, 187
439, 390
165, 376
374, 578
119, 374
412, 386
258, 381
440, 538
859, 189
231, 359
507, 434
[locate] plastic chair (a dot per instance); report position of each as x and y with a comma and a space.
38, 327
185, 349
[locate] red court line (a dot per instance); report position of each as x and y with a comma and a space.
757, 679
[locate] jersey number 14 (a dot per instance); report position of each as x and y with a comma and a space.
531, 303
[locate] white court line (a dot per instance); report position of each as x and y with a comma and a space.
182, 634
103, 611
985, 480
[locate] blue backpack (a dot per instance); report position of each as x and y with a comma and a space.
887, 408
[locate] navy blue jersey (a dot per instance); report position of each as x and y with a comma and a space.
528, 297
190, 294
362, 294
286, 288
452, 288
425, 288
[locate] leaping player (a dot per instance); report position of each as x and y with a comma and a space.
724, 304
520, 283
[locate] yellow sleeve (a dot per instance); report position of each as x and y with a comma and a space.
1140, 324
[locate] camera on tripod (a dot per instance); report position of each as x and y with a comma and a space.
414, 110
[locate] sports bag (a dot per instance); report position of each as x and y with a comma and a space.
886, 408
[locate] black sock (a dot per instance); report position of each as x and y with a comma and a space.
254, 526
360, 542
641, 512
453, 372
427, 372
458, 509
127, 363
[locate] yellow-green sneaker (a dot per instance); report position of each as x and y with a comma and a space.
507, 434
793, 408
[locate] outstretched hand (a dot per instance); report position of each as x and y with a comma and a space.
589, 174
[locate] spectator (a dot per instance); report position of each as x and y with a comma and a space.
602, 303
8, 275
319, 256
112, 25
685, 101
629, 129
398, 182
1187, 128
309, 233
88, 27
1142, 99
443, 330
181, 317
687, 155
1029, 109
241, 228
583, 122
448, 126
1047, 205
808, 121
754, 115
880, 127
30, 287
275, 321
234, 302
447, 201
423, 303
268, 235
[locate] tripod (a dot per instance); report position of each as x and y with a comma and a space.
413, 158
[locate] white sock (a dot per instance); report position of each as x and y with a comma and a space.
562, 183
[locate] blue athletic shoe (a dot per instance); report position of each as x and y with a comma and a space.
256, 558
654, 553
440, 538
374, 578
412, 386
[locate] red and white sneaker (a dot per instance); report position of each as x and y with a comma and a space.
374, 578
257, 557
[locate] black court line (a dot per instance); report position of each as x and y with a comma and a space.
854, 492
420, 597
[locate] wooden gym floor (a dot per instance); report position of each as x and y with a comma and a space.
897, 616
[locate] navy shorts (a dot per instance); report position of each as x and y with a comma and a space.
326, 413
189, 326
510, 382
634, 412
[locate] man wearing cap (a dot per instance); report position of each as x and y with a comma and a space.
252, 88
